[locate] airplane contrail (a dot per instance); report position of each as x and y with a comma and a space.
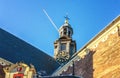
50, 19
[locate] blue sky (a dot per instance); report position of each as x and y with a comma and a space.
26, 19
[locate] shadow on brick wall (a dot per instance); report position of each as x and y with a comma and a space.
85, 66
82, 67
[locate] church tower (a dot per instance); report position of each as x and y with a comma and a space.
64, 46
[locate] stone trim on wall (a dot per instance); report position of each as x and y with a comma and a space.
112, 28
4, 62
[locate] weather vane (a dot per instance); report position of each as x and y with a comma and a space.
66, 18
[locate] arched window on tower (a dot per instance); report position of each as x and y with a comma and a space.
60, 33
65, 31
69, 33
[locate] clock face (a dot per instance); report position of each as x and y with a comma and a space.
62, 57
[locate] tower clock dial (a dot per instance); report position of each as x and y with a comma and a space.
62, 57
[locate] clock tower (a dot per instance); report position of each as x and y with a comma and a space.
64, 46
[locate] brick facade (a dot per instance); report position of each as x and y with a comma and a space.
103, 59
106, 60
103, 63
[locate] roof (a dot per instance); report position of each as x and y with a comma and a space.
65, 25
15, 50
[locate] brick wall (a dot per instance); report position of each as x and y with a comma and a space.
82, 67
104, 62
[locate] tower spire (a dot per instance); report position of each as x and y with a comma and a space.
66, 18
65, 47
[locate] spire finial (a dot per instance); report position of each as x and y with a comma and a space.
66, 18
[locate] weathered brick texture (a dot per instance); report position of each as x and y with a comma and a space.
103, 63
106, 60
83, 67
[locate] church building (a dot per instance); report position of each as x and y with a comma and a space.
99, 58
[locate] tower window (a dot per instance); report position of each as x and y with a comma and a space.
63, 46
68, 33
55, 46
65, 29
64, 33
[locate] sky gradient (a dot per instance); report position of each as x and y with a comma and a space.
26, 19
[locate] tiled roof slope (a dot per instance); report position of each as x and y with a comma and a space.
15, 50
